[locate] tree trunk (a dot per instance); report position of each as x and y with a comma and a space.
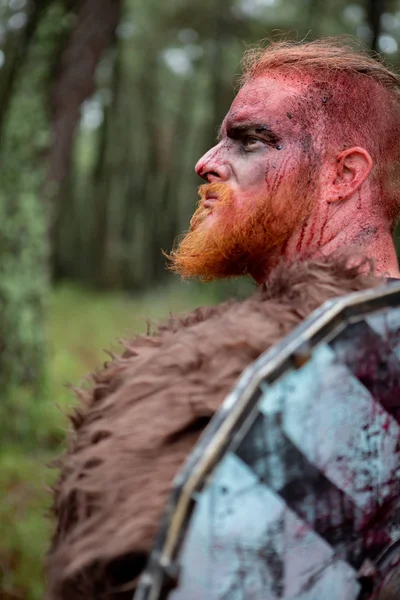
75, 80
376, 10
96, 22
16, 50
23, 217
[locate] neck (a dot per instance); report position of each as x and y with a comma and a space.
335, 228
370, 241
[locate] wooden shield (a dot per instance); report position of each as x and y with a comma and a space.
292, 491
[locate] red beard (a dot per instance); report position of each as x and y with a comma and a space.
239, 240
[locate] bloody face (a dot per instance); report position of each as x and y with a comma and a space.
262, 180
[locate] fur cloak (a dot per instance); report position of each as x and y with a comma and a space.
145, 411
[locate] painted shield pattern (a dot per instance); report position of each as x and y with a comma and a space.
292, 491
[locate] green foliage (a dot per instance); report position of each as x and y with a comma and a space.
23, 285
24, 219
25, 530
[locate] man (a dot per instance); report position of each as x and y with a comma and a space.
307, 162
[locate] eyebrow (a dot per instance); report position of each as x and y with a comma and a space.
238, 131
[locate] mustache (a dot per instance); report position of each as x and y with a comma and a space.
220, 190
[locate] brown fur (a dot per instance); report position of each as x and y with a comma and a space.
146, 410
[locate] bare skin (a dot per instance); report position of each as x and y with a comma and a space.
270, 143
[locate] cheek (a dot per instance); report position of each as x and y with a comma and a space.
252, 176
279, 175
245, 201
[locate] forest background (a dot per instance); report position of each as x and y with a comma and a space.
105, 106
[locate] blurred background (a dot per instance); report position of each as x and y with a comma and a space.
105, 106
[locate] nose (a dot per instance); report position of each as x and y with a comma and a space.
212, 166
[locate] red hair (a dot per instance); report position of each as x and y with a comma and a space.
357, 96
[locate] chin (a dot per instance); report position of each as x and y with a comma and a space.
211, 218
208, 221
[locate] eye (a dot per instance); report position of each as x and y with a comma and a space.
252, 143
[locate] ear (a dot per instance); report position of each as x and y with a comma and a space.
351, 169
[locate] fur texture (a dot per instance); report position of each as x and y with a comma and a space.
146, 410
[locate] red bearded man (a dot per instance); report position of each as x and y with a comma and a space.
307, 163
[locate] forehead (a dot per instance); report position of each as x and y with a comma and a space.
267, 97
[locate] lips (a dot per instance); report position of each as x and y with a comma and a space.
210, 201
